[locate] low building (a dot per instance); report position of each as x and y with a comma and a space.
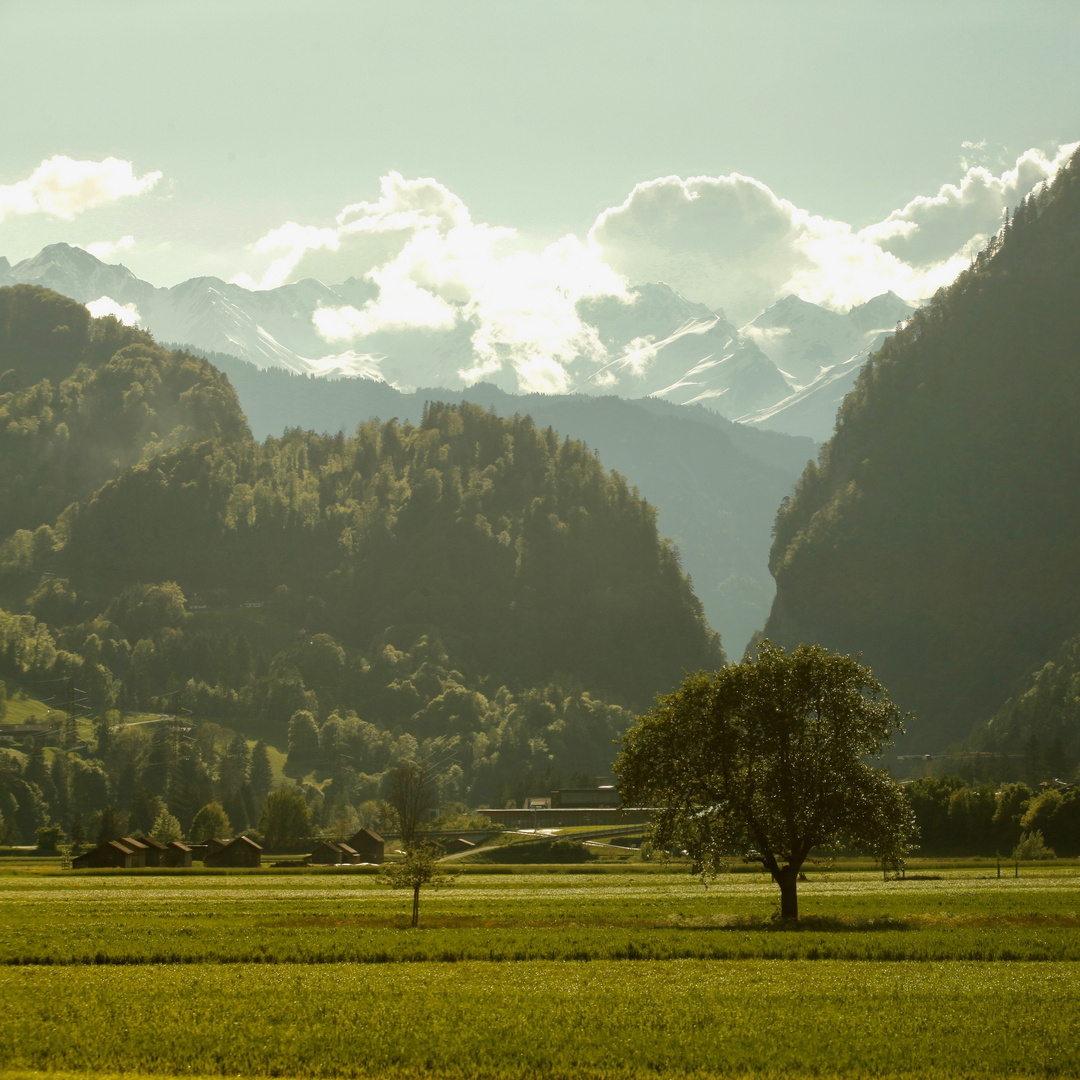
155, 851
458, 844
333, 853
605, 797
177, 854
124, 853
238, 852
567, 818
368, 844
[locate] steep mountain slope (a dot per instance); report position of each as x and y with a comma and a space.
937, 535
82, 398
472, 587
1037, 732
715, 484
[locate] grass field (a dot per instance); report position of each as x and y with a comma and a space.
540, 975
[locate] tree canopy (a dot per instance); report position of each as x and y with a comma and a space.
936, 532
767, 759
471, 582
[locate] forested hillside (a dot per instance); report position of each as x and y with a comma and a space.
937, 533
469, 586
715, 484
1038, 730
82, 398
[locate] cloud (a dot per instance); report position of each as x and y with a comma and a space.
63, 187
725, 241
404, 306
439, 272
106, 249
933, 228
128, 314
730, 242
367, 234
468, 294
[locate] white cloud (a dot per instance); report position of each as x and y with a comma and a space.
63, 187
730, 242
438, 271
727, 241
128, 314
933, 228
368, 234
405, 306
106, 249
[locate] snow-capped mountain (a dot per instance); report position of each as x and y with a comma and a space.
821, 352
786, 370
668, 347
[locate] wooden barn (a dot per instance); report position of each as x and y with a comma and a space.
457, 845
125, 853
155, 851
368, 844
238, 852
332, 853
176, 854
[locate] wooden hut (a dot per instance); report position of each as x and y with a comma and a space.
368, 844
333, 853
125, 853
176, 854
459, 844
238, 852
155, 851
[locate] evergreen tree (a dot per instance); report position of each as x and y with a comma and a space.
262, 773
111, 824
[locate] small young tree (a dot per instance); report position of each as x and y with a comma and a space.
166, 828
49, 838
420, 867
1032, 846
78, 833
768, 759
411, 793
209, 822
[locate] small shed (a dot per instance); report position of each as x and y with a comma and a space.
155, 851
176, 854
238, 852
452, 847
124, 853
333, 853
368, 844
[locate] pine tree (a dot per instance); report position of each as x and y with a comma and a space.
262, 773
110, 824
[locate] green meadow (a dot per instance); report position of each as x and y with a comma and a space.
631, 974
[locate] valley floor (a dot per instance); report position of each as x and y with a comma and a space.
633, 974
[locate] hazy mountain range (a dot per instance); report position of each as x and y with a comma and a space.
787, 370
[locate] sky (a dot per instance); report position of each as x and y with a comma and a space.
510, 157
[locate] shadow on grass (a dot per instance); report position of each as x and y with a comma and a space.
763, 923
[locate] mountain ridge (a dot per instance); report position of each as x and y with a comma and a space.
659, 344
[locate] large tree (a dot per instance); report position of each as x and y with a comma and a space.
770, 759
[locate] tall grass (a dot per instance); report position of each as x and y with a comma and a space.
599, 1020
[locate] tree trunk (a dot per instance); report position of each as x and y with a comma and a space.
788, 880
415, 904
